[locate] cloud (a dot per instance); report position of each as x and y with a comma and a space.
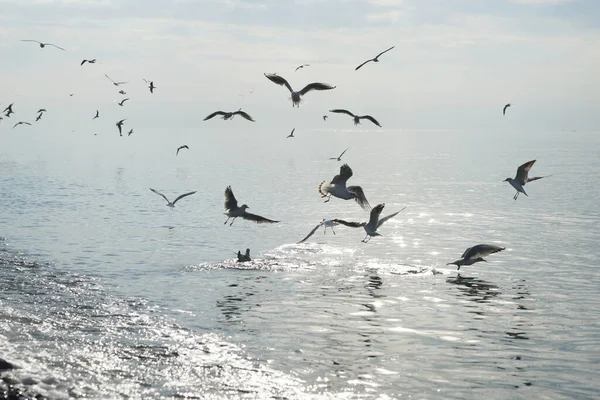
388, 16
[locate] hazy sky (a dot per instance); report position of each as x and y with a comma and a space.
456, 62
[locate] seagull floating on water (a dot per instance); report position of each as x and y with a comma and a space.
230, 115
21, 123
120, 125
326, 223
42, 45
522, 178
114, 83
243, 257
339, 158
296, 96
376, 59
291, 135
301, 66
97, 115
233, 211
504, 109
337, 188
169, 204
181, 147
92, 61
374, 222
475, 254
357, 118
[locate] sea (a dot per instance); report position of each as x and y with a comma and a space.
106, 293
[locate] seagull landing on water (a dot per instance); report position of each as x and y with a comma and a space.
296, 96
291, 135
475, 254
233, 211
337, 188
169, 204
376, 59
326, 223
522, 178
357, 118
230, 115
374, 222
42, 45
244, 257
504, 109
181, 147
339, 158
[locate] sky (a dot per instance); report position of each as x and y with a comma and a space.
454, 66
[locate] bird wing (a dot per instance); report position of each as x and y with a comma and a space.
373, 120
382, 220
30, 40
357, 68
244, 115
123, 101
83, 62
385, 51
481, 250
535, 178
350, 224
316, 86
230, 201
257, 218
160, 194
504, 109
312, 232
361, 199
344, 175
109, 78
279, 80
58, 47
182, 196
341, 111
343, 152
523, 171
374, 217
213, 114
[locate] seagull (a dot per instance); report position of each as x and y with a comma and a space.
122, 92
374, 222
376, 59
151, 87
233, 211
522, 178
327, 223
339, 158
301, 66
39, 117
504, 109
130, 132
357, 118
119, 125
41, 110
475, 254
182, 147
324, 117
42, 45
21, 123
337, 188
114, 83
123, 102
8, 110
230, 115
169, 204
296, 95
244, 257
97, 115
291, 135
93, 61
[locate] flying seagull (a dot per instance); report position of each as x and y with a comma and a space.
230, 115
376, 59
114, 83
244, 257
296, 96
327, 223
130, 132
339, 158
504, 109
21, 123
324, 117
122, 92
41, 110
357, 118
181, 147
119, 125
233, 211
8, 110
337, 188
291, 134
522, 178
151, 87
39, 117
475, 254
122, 102
97, 115
42, 45
92, 61
301, 66
169, 204
374, 222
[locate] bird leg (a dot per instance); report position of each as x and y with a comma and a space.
516, 196
232, 221
365, 239
225, 223
332, 230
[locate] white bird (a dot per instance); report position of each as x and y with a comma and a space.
169, 204
376, 59
244, 257
114, 83
357, 118
327, 223
230, 115
233, 211
522, 178
374, 222
296, 96
337, 188
291, 135
339, 158
475, 254
42, 45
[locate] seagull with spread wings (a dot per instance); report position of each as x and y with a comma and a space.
233, 211
339, 158
120, 125
357, 118
475, 254
114, 83
181, 147
301, 66
291, 135
21, 123
504, 109
42, 45
522, 178
376, 59
374, 222
169, 204
337, 188
326, 223
97, 114
229, 115
296, 96
122, 102
92, 61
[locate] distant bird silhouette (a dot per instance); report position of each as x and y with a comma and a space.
337, 188
229, 115
122, 102
504, 109
130, 132
120, 125
301, 66
122, 92
376, 59
39, 117
291, 135
324, 117
21, 123
97, 115
8, 110
42, 45
42, 110
374, 222
475, 254
243, 257
92, 61
233, 211
151, 87
181, 147
339, 158
357, 118
522, 178
114, 83
169, 204
297, 96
